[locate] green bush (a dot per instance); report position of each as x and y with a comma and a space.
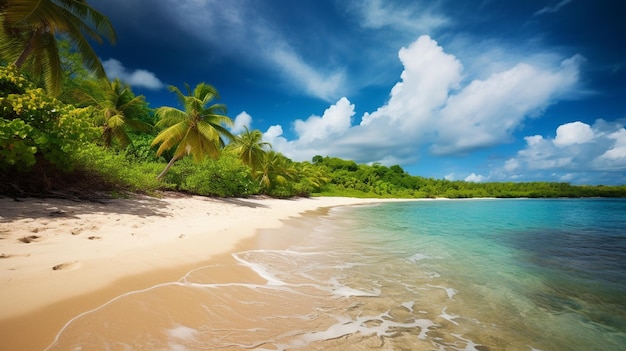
224, 177
34, 125
119, 171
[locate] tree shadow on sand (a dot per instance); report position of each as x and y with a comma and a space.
136, 205
139, 205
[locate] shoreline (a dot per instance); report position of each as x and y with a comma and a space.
60, 258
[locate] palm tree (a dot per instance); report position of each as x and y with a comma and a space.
312, 175
275, 170
197, 130
29, 29
117, 110
250, 149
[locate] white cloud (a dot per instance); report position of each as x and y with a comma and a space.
316, 134
475, 178
335, 120
487, 112
242, 32
511, 165
615, 157
428, 77
449, 177
577, 149
431, 106
552, 9
293, 67
573, 133
412, 19
568, 177
136, 78
241, 122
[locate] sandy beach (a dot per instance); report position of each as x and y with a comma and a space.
59, 258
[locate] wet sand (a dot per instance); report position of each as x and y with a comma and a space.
60, 258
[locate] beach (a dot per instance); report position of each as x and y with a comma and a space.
60, 258
178, 272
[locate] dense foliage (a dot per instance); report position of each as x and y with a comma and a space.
35, 126
61, 145
29, 31
85, 134
350, 179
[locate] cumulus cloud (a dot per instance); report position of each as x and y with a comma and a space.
573, 133
241, 122
615, 157
487, 112
428, 77
335, 120
137, 78
431, 107
475, 178
314, 133
577, 149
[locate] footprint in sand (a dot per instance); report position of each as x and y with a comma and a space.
29, 239
67, 266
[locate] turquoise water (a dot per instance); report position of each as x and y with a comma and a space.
549, 274
445, 275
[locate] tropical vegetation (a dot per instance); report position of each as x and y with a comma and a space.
196, 131
29, 30
67, 130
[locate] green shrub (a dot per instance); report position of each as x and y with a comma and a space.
120, 172
224, 177
34, 125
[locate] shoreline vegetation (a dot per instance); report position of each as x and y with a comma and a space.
67, 130
97, 139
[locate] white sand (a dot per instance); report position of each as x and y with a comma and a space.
53, 250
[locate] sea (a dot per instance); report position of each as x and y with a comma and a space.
463, 275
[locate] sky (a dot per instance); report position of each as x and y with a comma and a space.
484, 90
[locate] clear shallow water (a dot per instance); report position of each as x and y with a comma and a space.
428, 275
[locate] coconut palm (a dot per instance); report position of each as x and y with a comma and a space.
250, 149
117, 109
275, 170
198, 130
29, 30
312, 175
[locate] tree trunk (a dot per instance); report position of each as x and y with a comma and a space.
27, 50
167, 168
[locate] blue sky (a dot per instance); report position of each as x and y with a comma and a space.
488, 90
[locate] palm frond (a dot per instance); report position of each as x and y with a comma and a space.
53, 74
204, 91
91, 17
203, 128
138, 125
89, 56
207, 131
115, 121
170, 137
179, 95
34, 26
122, 137
169, 116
